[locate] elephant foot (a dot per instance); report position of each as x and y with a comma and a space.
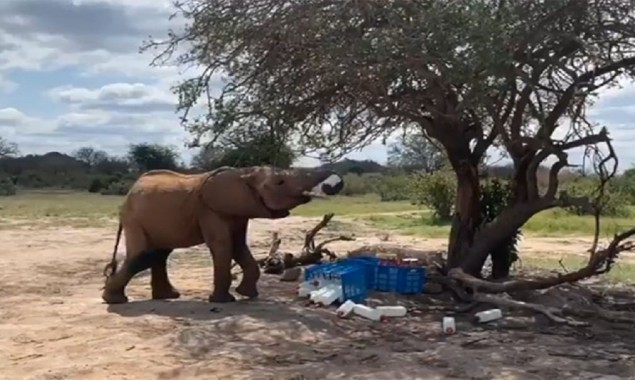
166, 294
111, 297
221, 298
247, 291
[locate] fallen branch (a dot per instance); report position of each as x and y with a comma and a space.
276, 263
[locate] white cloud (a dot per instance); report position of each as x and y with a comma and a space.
100, 35
122, 97
12, 117
14, 122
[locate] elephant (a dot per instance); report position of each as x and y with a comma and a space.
166, 210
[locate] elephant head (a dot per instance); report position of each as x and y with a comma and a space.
265, 191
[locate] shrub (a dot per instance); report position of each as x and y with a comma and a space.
7, 187
355, 184
96, 185
613, 204
437, 191
393, 188
117, 188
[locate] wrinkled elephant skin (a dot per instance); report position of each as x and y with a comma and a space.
165, 210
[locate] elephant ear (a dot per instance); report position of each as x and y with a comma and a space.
234, 193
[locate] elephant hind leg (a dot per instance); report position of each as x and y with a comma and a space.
160, 283
138, 258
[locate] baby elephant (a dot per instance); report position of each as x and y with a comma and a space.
165, 210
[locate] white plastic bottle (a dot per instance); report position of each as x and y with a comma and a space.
392, 311
345, 309
367, 312
314, 295
448, 325
488, 315
304, 290
329, 295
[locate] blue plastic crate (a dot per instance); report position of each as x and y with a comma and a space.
351, 275
404, 280
369, 264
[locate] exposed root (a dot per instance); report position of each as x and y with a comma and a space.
600, 261
599, 312
549, 312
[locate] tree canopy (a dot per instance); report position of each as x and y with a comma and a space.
146, 156
415, 152
7, 148
244, 150
469, 74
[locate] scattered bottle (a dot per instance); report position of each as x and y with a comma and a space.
367, 312
345, 309
392, 311
488, 315
331, 293
305, 288
448, 325
314, 296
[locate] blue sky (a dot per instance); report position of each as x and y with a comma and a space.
71, 76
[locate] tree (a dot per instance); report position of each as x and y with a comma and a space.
415, 152
90, 156
146, 156
249, 149
470, 74
112, 165
7, 148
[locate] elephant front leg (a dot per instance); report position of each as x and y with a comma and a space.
218, 239
248, 286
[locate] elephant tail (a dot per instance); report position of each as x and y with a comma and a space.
111, 268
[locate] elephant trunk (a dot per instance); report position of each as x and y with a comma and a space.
323, 183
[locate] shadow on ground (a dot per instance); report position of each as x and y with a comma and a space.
279, 337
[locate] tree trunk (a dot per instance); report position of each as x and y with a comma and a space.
467, 215
502, 259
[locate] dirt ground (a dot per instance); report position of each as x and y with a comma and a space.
53, 324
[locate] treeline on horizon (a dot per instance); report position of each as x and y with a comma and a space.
415, 172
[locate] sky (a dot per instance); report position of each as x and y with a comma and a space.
71, 75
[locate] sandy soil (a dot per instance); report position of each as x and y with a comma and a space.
53, 324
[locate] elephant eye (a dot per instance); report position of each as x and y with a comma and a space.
280, 182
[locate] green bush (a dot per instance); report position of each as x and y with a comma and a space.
96, 185
437, 191
355, 184
117, 188
393, 188
614, 203
7, 187
625, 185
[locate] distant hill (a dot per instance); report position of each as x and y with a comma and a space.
52, 162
